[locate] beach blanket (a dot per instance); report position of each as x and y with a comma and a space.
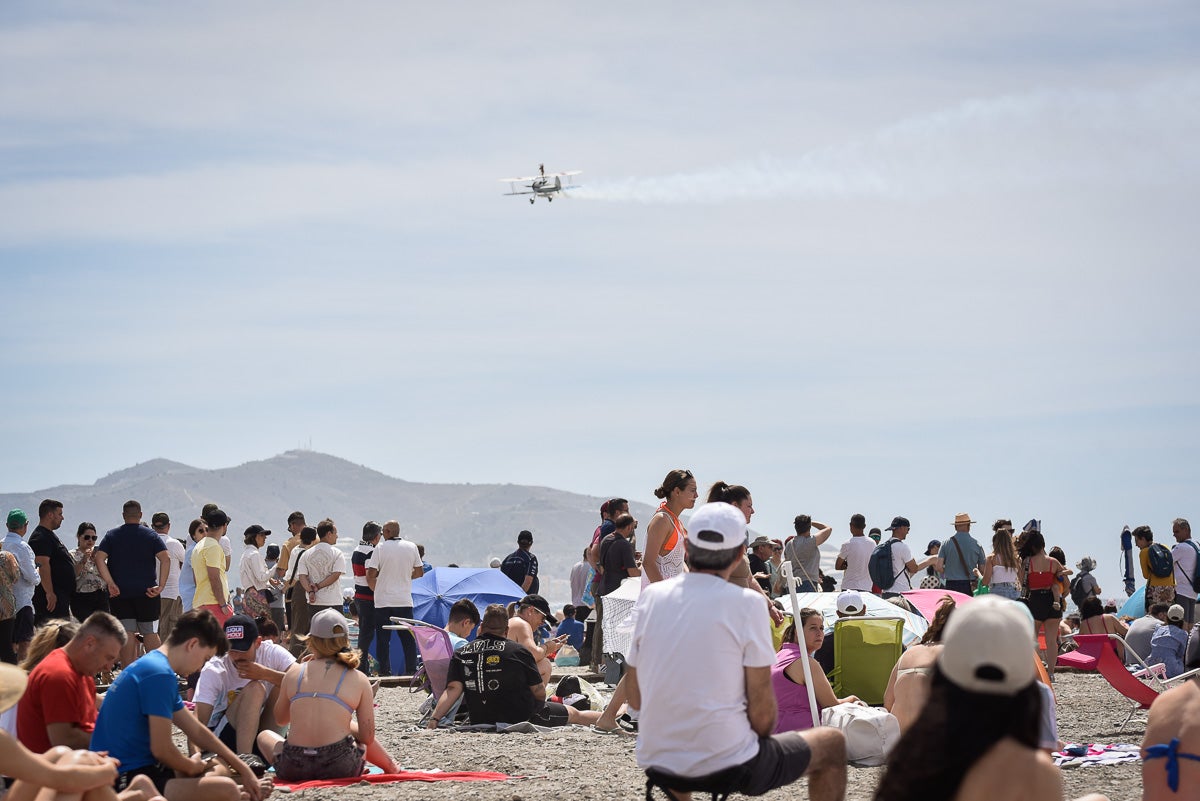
402, 776
1076, 755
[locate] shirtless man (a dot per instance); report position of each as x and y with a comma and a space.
532, 612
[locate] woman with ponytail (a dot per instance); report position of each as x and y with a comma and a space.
319, 697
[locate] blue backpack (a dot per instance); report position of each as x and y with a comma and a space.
1161, 563
879, 566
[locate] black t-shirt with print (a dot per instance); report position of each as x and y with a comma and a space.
498, 675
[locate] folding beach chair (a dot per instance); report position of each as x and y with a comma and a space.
435, 650
865, 649
1140, 687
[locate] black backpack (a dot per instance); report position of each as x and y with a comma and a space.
879, 566
1161, 563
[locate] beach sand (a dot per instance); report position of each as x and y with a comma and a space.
574, 763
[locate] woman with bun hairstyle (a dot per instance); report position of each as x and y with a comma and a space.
662, 558
665, 533
977, 735
739, 497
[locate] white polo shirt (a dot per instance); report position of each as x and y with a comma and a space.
857, 553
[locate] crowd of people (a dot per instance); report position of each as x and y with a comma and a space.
275, 679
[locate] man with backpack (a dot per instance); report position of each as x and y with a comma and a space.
1186, 555
1158, 567
892, 565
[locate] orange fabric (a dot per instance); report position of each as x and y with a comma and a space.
676, 533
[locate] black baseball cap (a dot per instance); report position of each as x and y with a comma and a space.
256, 529
241, 631
898, 522
539, 603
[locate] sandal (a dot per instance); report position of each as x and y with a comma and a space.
597, 730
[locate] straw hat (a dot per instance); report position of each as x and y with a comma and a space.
12, 685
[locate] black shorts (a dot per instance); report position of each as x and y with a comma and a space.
1041, 605
551, 714
136, 609
159, 774
228, 736
23, 625
781, 760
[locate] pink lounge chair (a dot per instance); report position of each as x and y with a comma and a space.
1098, 652
433, 644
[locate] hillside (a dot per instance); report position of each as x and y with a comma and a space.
465, 524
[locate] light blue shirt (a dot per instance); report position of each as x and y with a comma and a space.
15, 544
1167, 646
971, 551
187, 578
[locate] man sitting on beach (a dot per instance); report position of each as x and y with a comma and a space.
698, 636
59, 706
532, 613
236, 693
501, 681
135, 722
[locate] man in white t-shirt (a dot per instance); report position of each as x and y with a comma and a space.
171, 605
700, 672
904, 567
854, 556
1184, 554
321, 567
236, 693
390, 572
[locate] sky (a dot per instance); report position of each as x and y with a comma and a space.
893, 260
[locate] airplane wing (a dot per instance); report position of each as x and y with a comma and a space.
516, 180
564, 174
514, 192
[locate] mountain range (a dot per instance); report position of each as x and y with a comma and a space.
463, 524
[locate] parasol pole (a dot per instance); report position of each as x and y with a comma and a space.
1127, 561
786, 569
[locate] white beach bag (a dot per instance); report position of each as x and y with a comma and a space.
871, 732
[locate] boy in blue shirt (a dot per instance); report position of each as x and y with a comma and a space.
134, 725
570, 627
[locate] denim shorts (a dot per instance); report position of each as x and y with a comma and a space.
341, 760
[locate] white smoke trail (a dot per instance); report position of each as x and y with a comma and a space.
1144, 136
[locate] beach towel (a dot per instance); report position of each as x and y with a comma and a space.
1076, 755
402, 776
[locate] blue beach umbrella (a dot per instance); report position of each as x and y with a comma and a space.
1135, 606
436, 591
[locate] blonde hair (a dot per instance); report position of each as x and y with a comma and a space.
53, 634
336, 648
1004, 549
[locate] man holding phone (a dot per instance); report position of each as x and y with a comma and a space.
532, 613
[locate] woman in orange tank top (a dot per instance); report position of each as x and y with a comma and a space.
665, 533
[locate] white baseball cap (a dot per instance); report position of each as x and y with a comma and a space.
850, 602
717, 527
1176, 613
988, 647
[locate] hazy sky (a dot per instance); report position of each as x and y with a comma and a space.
898, 260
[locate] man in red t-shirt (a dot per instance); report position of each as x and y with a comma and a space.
59, 705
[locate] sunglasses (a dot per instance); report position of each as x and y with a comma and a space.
89, 537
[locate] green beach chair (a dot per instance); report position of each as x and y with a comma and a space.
865, 649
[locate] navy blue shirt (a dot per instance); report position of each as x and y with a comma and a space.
132, 551
519, 564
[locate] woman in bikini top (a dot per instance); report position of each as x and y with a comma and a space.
908, 687
665, 534
325, 699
